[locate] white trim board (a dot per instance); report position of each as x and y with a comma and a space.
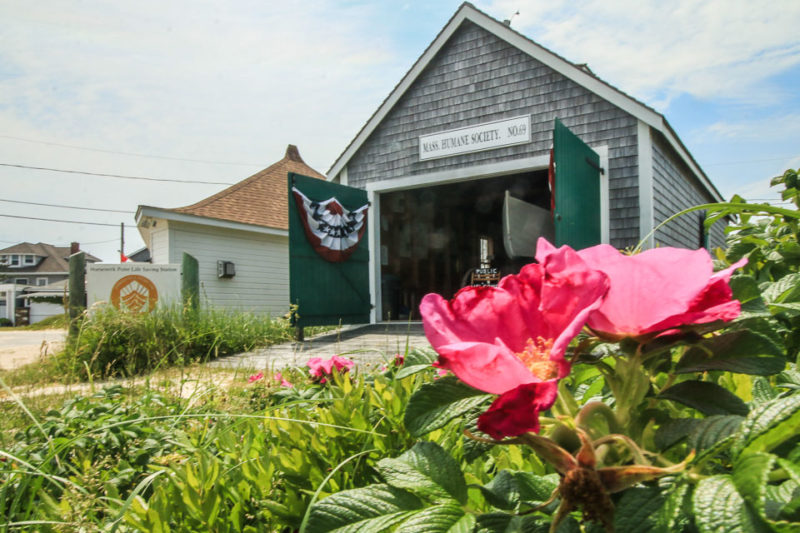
491, 170
166, 214
646, 200
609, 93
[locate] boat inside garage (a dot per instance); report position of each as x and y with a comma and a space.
444, 237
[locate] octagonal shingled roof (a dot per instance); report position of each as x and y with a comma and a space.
261, 199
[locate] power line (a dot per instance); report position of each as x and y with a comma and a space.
67, 206
64, 221
101, 242
130, 153
115, 175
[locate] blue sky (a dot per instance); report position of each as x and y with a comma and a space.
214, 90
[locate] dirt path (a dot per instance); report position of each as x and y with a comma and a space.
21, 347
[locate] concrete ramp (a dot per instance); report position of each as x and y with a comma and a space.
368, 345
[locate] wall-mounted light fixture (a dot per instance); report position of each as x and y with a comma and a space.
225, 269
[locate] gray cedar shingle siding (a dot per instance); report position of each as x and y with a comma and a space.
674, 189
476, 78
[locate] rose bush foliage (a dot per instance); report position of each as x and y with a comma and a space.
676, 408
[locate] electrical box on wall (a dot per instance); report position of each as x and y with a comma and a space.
225, 269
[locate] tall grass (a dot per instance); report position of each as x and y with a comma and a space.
111, 343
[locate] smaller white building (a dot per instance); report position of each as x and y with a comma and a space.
239, 236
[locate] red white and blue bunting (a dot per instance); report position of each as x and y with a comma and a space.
333, 231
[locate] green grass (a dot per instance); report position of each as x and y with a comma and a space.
77, 457
53, 322
112, 343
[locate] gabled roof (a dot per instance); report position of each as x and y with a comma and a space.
56, 258
260, 200
579, 73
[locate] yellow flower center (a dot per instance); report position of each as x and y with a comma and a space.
536, 356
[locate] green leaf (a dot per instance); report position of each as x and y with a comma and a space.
417, 360
750, 475
789, 378
763, 390
427, 471
372, 508
508, 523
718, 508
435, 404
675, 514
445, 518
535, 489
744, 351
708, 398
637, 509
768, 425
745, 288
792, 469
508, 489
673, 431
785, 290
791, 308
502, 491
713, 430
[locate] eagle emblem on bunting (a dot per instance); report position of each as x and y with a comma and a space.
332, 230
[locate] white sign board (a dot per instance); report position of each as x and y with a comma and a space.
486, 136
136, 287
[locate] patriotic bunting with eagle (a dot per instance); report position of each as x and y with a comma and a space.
333, 231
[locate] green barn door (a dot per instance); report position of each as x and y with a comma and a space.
328, 253
577, 190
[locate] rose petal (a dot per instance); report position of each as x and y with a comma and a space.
487, 367
517, 411
655, 290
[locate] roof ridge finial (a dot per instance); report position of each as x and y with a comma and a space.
293, 154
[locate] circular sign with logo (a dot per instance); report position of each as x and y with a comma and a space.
134, 293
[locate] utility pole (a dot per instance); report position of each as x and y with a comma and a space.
121, 242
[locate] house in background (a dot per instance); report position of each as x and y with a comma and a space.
239, 237
142, 255
26, 267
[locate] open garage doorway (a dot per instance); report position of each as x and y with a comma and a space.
434, 238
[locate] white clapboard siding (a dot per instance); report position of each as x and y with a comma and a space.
159, 244
261, 283
41, 310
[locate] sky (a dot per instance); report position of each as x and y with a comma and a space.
214, 91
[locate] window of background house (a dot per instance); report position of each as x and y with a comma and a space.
14, 260
29, 260
40, 282
21, 281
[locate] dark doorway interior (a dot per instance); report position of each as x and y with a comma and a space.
431, 237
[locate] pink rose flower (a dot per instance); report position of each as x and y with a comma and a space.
656, 290
510, 340
278, 377
320, 368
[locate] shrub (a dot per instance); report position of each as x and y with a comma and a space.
110, 342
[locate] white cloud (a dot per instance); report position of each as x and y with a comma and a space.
102, 70
785, 126
212, 80
656, 50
